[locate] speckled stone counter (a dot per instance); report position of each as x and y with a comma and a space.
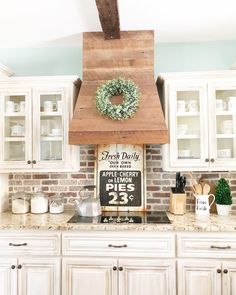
187, 222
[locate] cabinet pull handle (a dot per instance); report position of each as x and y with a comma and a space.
120, 268
225, 271
28, 162
19, 266
34, 162
206, 160
114, 268
17, 245
212, 160
13, 267
221, 248
117, 246
218, 270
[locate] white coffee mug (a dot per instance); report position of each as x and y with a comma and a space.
202, 206
49, 106
184, 153
220, 105
182, 129
22, 106
12, 107
182, 106
227, 127
193, 105
224, 153
56, 132
17, 130
232, 103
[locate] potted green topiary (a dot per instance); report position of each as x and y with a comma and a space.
223, 197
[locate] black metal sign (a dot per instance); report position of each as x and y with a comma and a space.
120, 177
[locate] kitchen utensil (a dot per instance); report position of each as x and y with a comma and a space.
90, 206
206, 189
198, 188
180, 184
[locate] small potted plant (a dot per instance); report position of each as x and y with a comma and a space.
223, 197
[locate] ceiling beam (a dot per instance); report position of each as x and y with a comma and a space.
109, 18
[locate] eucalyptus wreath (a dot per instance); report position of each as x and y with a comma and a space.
130, 92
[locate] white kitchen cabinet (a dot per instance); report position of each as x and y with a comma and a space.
229, 277
89, 276
199, 277
34, 115
146, 276
203, 267
8, 276
38, 276
120, 263
110, 276
29, 264
200, 111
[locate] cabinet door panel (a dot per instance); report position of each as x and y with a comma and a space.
39, 276
147, 277
187, 124
222, 124
89, 276
199, 277
16, 130
229, 278
8, 276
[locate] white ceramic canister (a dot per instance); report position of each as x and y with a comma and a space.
202, 206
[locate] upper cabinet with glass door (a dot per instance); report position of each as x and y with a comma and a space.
223, 139
200, 111
16, 127
35, 124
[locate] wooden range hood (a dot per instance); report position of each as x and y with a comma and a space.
131, 56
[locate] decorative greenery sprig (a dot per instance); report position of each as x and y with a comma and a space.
119, 86
223, 193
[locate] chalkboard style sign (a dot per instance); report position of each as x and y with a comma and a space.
121, 177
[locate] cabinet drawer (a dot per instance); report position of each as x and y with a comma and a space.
118, 243
215, 245
29, 243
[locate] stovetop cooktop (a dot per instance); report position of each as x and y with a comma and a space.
124, 217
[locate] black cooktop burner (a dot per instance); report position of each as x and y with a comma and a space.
124, 217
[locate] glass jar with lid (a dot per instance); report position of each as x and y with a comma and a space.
56, 204
39, 201
20, 202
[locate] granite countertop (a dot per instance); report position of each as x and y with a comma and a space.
187, 222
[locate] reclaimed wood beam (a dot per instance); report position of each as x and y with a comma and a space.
109, 18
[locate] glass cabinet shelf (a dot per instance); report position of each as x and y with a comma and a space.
188, 136
51, 138
50, 114
18, 138
14, 115
226, 136
187, 114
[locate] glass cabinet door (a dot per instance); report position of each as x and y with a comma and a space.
50, 114
222, 125
188, 127
16, 128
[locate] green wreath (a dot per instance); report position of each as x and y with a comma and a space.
120, 86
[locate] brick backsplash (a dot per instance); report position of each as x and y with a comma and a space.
157, 189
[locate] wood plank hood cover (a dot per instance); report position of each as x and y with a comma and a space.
131, 56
